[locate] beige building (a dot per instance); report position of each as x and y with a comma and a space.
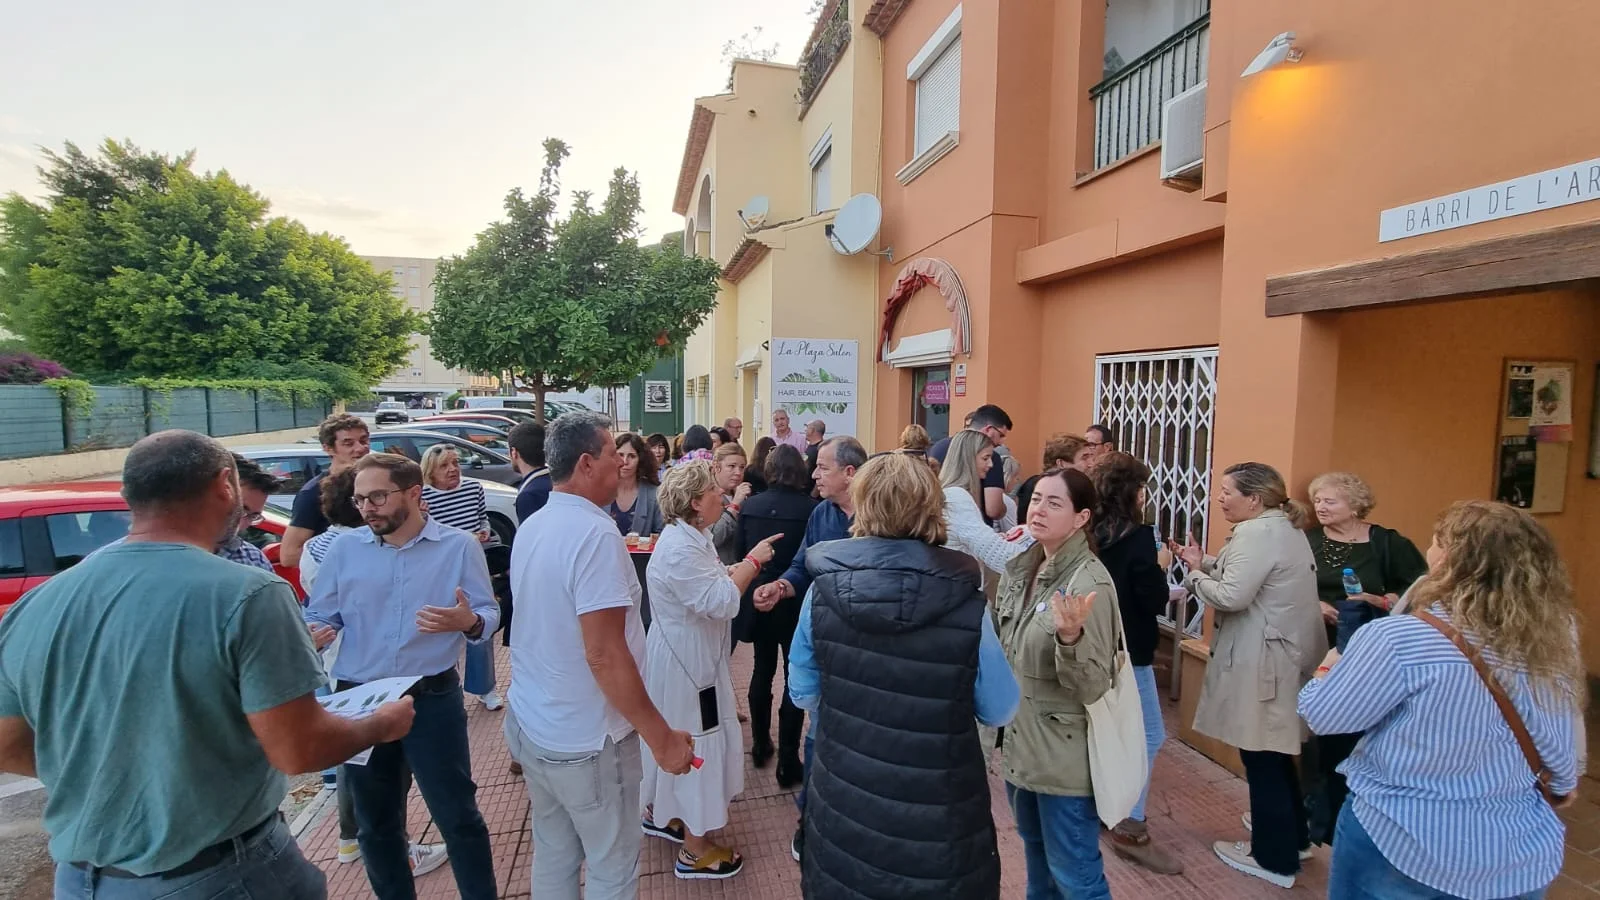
421, 373
791, 309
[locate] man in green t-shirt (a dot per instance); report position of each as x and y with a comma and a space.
161, 692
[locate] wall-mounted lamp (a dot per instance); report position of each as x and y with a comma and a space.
1279, 49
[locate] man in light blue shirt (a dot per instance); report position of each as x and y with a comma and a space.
408, 593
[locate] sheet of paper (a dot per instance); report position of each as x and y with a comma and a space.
360, 701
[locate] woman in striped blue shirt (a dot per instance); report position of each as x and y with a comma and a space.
460, 503
1443, 802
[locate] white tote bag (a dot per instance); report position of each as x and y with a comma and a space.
1117, 764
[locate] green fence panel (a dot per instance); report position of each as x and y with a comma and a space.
233, 412
183, 408
309, 411
274, 412
117, 419
32, 417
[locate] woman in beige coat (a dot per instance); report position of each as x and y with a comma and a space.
1268, 641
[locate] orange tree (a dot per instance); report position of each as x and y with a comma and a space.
564, 304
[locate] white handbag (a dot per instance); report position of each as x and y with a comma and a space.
1117, 764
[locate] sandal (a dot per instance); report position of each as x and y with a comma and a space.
716, 863
672, 831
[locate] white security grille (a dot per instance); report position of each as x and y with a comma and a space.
1161, 407
939, 98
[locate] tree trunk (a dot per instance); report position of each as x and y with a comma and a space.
539, 390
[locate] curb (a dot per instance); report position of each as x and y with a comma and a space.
312, 813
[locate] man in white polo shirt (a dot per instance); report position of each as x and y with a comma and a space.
578, 703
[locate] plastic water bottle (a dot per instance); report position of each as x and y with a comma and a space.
1352, 584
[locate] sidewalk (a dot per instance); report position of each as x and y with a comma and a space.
1192, 803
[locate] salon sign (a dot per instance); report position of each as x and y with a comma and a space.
1563, 186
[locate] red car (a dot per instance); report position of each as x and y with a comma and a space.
49, 528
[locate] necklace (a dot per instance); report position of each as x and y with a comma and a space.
1334, 554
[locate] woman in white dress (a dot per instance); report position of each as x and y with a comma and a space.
693, 599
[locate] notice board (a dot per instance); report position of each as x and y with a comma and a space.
1535, 437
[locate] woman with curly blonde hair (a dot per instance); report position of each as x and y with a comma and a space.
693, 599
1444, 800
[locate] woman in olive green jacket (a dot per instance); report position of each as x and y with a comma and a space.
1056, 615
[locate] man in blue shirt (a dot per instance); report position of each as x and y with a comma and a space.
160, 692
409, 593
837, 461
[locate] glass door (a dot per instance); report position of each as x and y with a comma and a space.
930, 400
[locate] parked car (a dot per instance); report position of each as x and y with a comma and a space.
503, 424
482, 435
552, 408
517, 416
391, 411
46, 529
295, 464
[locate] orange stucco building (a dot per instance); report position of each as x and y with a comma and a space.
1232, 289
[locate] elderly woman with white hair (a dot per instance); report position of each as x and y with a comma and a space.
1385, 565
693, 599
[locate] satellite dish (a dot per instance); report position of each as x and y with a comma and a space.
855, 224
754, 214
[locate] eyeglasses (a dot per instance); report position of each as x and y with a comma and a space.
253, 518
376, 499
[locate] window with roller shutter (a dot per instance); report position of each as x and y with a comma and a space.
939, 97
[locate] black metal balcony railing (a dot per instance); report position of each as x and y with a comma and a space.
827, 44
1127, 106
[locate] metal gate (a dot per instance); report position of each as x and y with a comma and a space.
1162, 406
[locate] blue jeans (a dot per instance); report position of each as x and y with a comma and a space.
268, 865
1360, 871
1061, 841
441, 761
1155, 731
811, 744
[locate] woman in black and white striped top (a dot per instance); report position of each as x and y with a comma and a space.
460, 503
451, 499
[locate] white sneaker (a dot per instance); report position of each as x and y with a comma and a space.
1305, 852
1237, 856
349, 851
492, 701
427, 857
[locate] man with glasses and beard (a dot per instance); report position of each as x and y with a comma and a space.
404, 568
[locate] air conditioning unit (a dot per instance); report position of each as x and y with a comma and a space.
1183, 139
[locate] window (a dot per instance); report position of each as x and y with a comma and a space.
1160, 407
399, 272
936, 69
414, 291
11, 548
822, 173
398, 291
930, 401
289, 470
415, 271
74, 536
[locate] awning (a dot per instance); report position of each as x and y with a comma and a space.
749, 359
930, 348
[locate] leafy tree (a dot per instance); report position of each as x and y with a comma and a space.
136, 265
565, 304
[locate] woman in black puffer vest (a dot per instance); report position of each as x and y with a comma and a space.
888, 653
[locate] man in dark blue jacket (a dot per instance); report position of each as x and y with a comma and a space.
837, 461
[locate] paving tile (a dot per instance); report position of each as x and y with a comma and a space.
1193, 802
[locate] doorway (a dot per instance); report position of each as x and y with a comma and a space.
930, 400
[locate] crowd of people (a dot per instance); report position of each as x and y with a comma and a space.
1422, 713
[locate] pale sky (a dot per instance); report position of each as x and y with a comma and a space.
398, 125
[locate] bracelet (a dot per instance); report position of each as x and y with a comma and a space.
1322, 669
733, 508
752, 561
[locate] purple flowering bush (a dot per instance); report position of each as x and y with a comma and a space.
26, 368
